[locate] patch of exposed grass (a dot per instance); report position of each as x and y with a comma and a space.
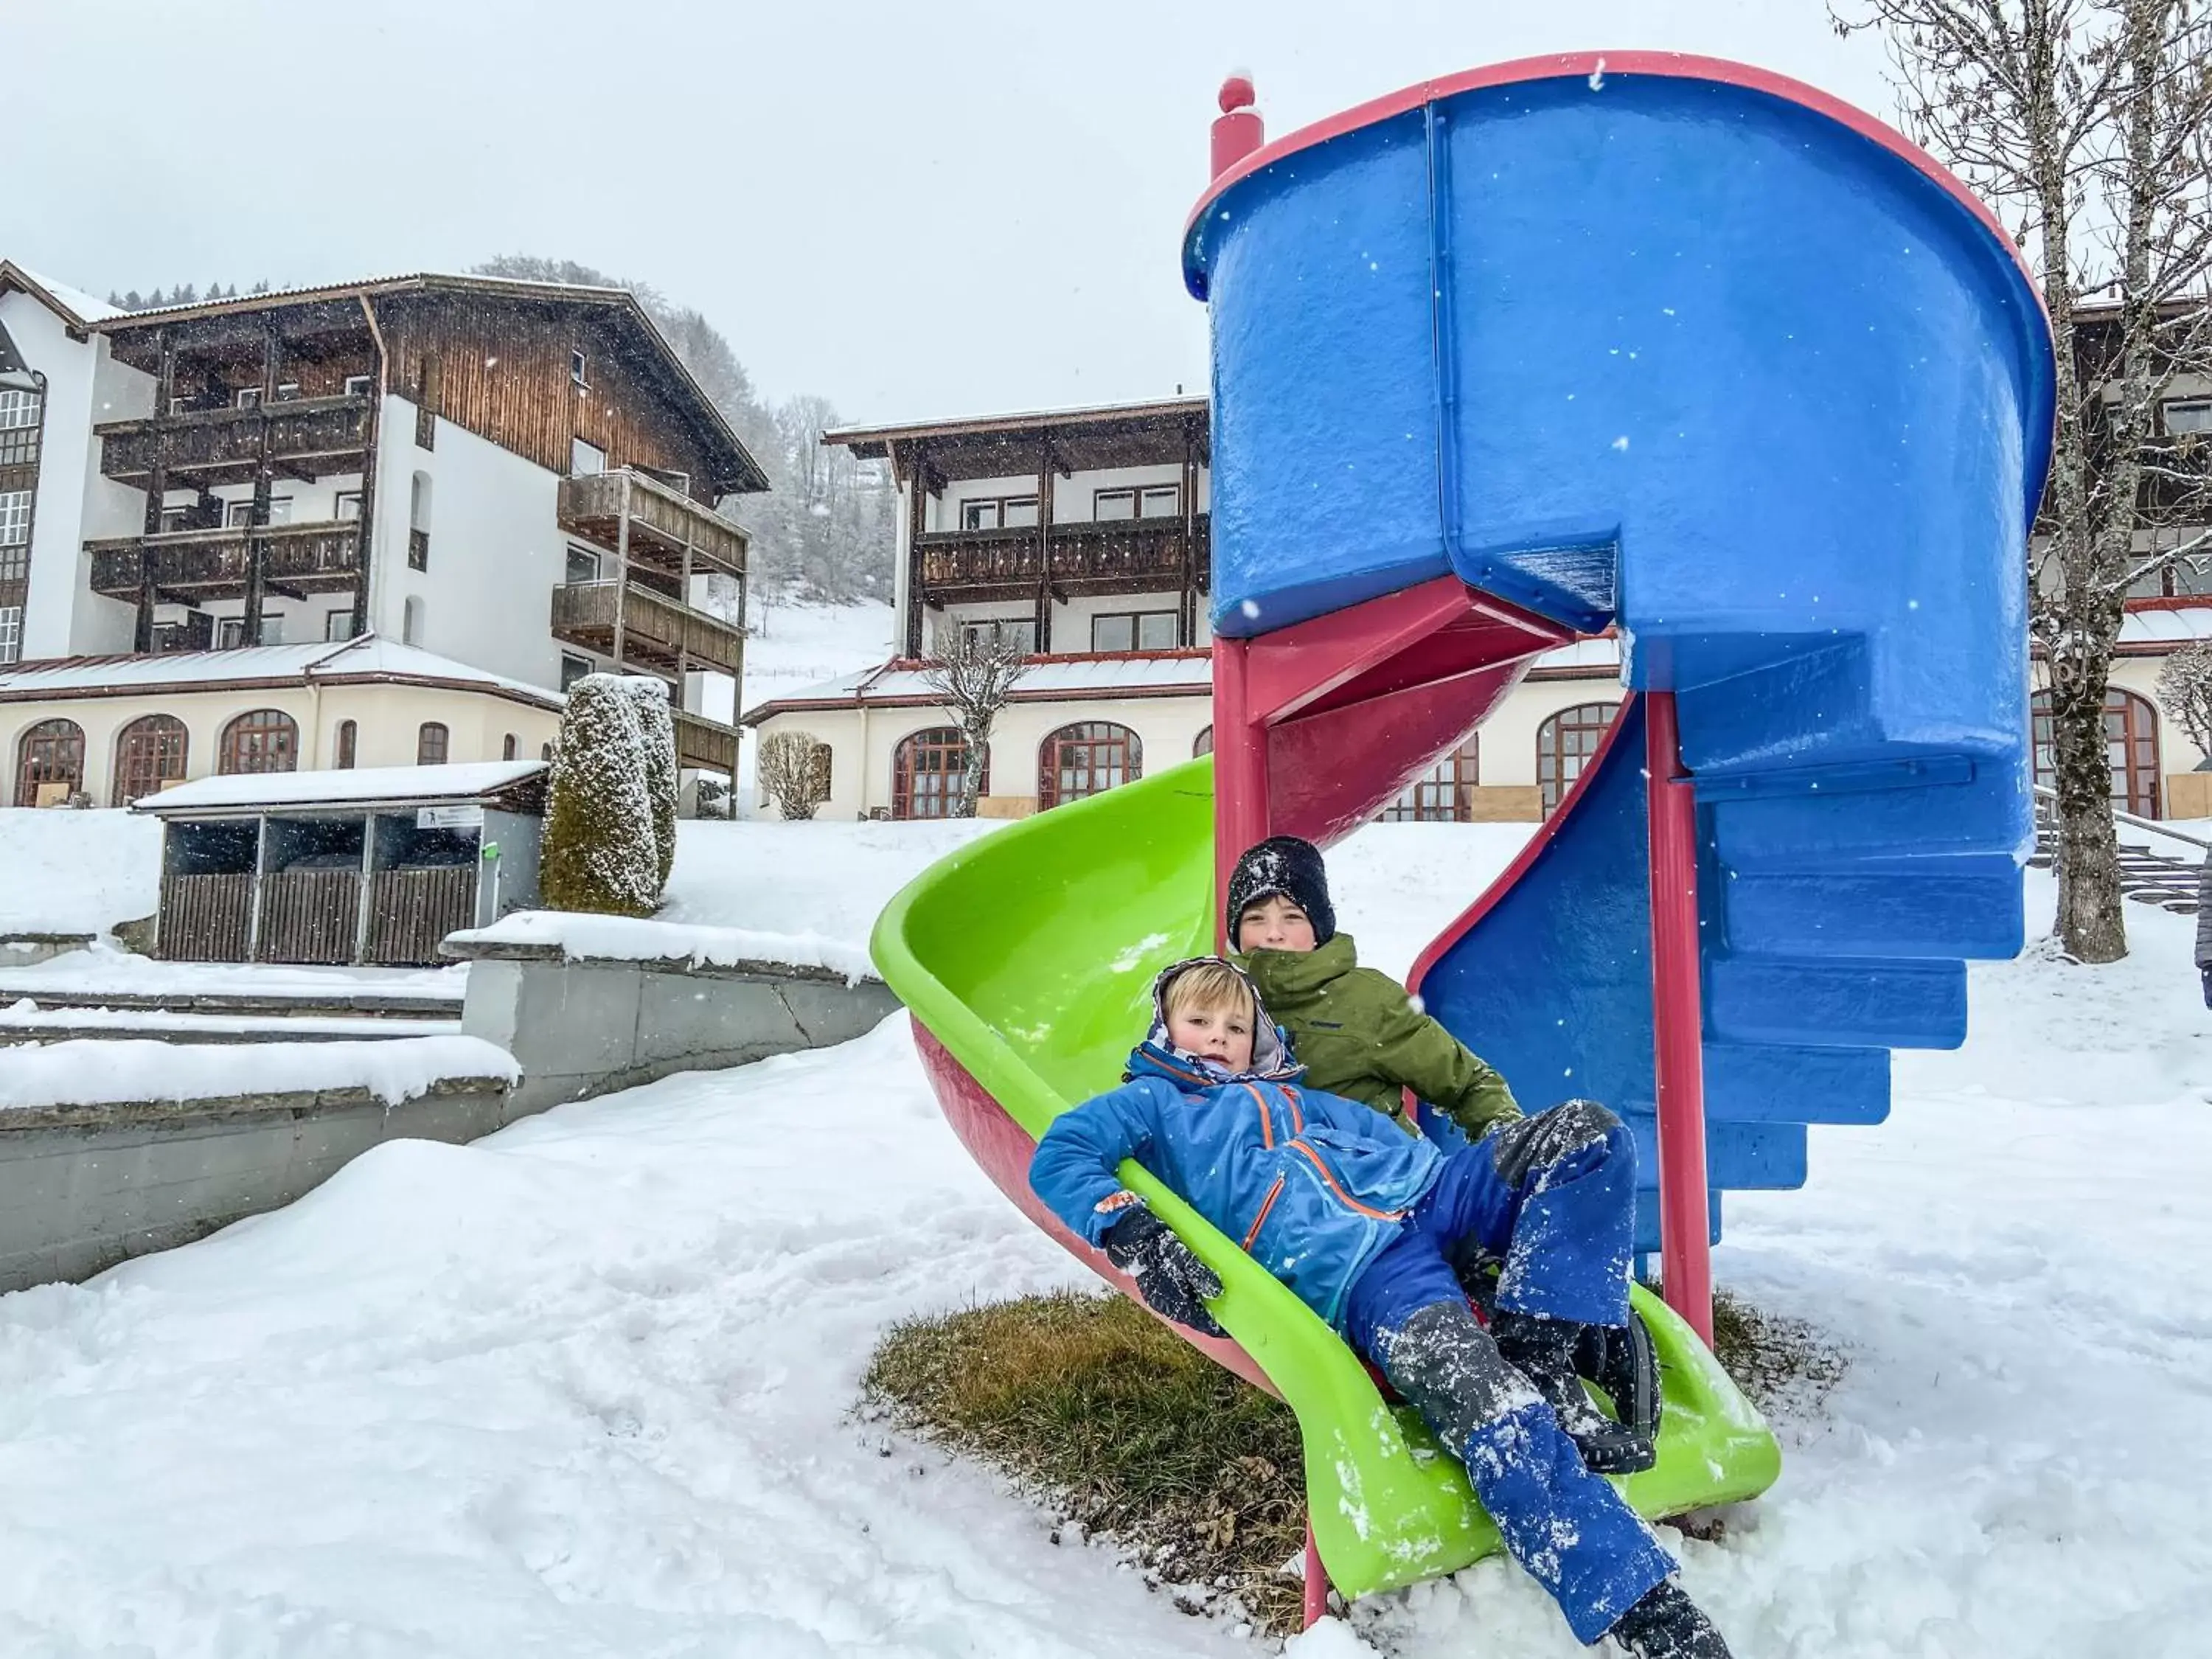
1786, 1366
1088, 1402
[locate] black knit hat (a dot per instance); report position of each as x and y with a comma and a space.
1291, 867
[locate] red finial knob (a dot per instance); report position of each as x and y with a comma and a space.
1237, 130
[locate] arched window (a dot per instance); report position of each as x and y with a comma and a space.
925, 772
51, 752
545, 753
2130, 745
1563, 743
432, 741
1088, 758
266, 740
348, 744
1446, 795
148, 753
509, 747
1203, 743
411, 622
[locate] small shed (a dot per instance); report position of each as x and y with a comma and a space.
370, 866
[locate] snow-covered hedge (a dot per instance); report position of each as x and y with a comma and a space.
601, 854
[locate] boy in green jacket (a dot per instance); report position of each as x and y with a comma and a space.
1360, 1035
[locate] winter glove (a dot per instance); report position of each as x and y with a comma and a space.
1173, 1281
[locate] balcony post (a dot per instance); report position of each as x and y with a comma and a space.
264, 476
364, 537
916, 517
1186, 611
684, 629
1043, 629
157, 491
621, 571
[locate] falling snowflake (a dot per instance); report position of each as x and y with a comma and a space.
1597, 77
1251, 609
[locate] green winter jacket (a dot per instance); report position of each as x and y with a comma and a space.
1360, 1036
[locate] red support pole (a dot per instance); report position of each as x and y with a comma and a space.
1316, 1582
1240, 771
1678, 1022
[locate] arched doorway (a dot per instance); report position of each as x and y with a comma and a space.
1202, 744
148, 753
51, 752
1087, 758
266, 740
925, 771
1564, 744
2131, 749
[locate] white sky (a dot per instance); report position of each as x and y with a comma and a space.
917, 209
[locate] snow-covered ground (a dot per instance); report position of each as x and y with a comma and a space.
105, 970
793, 647
76, 873
581, 1388
90, 1069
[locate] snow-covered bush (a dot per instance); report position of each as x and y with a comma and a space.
600, 853
656, 725
2185, 688
794, 768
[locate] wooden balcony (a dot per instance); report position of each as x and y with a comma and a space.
308, 439
191, 565
663, 521
708, 745
1119, 555
656, 630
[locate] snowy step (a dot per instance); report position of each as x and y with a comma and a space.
364, 1005
28, 1022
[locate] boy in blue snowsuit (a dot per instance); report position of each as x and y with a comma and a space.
1363, 1222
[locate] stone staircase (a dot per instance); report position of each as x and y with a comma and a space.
2165, 879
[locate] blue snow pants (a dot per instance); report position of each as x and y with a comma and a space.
1554, 1195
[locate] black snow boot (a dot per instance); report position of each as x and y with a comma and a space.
1543, 1350
1667, 1625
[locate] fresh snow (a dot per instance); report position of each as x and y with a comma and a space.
824, 877
627, 938
88, 1072
25, 1014
64, 871
459, 781
105, 971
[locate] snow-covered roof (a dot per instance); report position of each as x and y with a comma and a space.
1601, 653
1117, 675
80, 306
319, 661
2152, 629
465, 781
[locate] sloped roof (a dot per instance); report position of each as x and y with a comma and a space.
465, 781
73, 305
319, 662
1117, 674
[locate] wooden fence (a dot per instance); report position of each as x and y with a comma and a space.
206, 918
308, 915
409, 911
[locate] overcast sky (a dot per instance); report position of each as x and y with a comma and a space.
959, 207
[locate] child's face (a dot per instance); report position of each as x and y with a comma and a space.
1274, 924
1221, 1033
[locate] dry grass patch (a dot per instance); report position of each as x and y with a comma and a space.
1089, 1403
1787, 1366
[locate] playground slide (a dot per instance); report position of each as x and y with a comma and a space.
1641, 342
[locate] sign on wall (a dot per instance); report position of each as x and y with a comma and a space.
449, 817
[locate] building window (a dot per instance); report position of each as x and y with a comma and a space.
266, 740
999, 513
1160, 502
583, 564
2130, 745
18, 409
926, 773
579, 368
174, 519
11, 632
230, 632
1134, 630
586, 460
2188, 418
15, 517
410, 620
345, 507
1106, 504
288, 391
432, 743
360, 385
148, 753
240, 514
337, 625
545, 753
817, 768
573, 668
1564, 744
348, 744
1086, 759
272, 628
418, 522
49, 763
1445, 795
1018, 632
509, 747
248, 397
1202, 744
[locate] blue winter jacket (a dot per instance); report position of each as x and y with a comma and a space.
1311, 1185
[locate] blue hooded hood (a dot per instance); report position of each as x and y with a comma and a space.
1156, 1056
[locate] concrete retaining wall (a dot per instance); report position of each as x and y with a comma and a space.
580, 1028
83, 1187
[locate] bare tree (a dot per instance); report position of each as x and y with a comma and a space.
2185, 687
794, 770
2087, 126
972, 674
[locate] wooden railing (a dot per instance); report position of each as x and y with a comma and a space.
213, 563
663, 521
708, 745
312, 435
1118, 551
584, 614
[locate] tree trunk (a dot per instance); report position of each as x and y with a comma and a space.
2089, 924
978, 744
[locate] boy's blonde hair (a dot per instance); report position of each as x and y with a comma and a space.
1209, 986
